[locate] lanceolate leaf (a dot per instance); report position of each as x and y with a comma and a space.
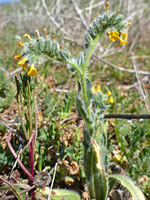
134, 190
94, 156
58, 194
82, 112
81, 59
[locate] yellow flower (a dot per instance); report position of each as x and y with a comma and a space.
114, 35
22, 62
27, 36
33, 71
20, 44
108, 93
24, 67
96, 89
122, 42
111, 100
124, 36
17, 57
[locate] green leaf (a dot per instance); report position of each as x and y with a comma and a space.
97, 179
65, 55
48, 45
81, 59
42, 44
58, 194
88, 38
55, 48
134, 190
82, 111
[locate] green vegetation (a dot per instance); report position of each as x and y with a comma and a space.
60, 139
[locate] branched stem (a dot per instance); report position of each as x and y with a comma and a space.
18, 160
75, 66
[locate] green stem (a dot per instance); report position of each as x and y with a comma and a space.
83, 81
83, 76
90, 51
21, 119
75, 66
29, 110
83, 84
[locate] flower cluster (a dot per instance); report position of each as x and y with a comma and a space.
98, 89
114, 22
115, 35
23, 63
33, 50
24, 60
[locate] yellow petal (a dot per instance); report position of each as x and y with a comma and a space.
124, 36
122, 42
17, 57
96, 89
20, 44
111, 100
33, 71
93, 89
108, 93
27, 36
114, 35
22, 62
24, 67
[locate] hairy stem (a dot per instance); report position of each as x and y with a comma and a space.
75, 66
90, 51
83, 76
83, 84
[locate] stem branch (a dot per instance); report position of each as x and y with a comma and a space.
18, 160
75, 66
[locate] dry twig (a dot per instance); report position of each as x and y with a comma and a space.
52, 19
90, 10
79, 13
49, 195
141, 89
